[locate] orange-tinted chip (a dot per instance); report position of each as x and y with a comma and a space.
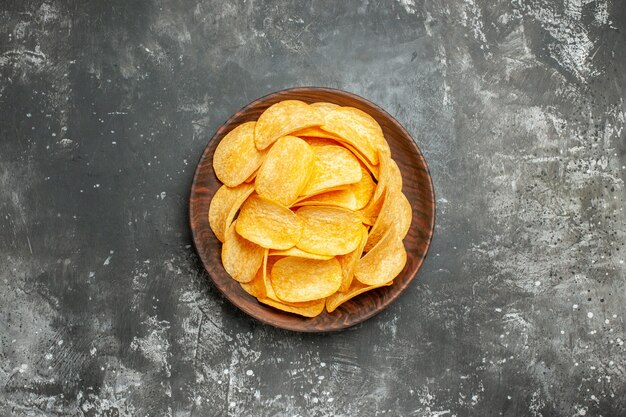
283, 118
358, 129
268, 224
307, 309
324, 107
256, 287
329, 230
241, 258
384, 262
363, 190
356, 288
370, 212
299, 253
236, 157
300, 279
373, 169
396, 212
224, 206
287, 167
348, 262
320, 141
337, 198
268, 263
333, 166
315, 132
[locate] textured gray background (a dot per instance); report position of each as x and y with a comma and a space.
519, 310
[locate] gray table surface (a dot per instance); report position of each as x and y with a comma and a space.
106, 106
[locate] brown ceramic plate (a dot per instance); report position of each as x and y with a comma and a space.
417, 186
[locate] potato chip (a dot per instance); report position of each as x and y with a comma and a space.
384, 262
252, 177
370, 212
268, 263
299, 253
268, 224
362, 190
236, 157
256, 287
356, 288
373, 169
358, 129
337, 198
224, 206
315, 132
395, 212
241, 258
307, 309
324, 107
286, 170
348, 261
329, 230
299, 279
333, 166
283, 118
318, 141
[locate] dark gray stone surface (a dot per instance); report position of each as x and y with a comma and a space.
105, 107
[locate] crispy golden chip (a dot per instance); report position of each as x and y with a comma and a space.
256, 287
348, 261
395, 212
384, 262
337, 198
268, 263
329, 230
307, 309
300, 279
268, 224
224, 206
358, 129
286, 170
252, 177
236, 157
324, 107
315, 132
363, 190
299, 253
373, 169
369, 213
320, 141
333, 166
356, 288
240, 257
282, 118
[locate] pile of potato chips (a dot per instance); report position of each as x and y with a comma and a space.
311, 212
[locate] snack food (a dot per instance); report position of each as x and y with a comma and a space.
311, 213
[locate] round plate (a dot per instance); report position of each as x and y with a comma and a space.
417, 186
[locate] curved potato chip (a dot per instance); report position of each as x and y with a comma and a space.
283, 118
315, 132
333, 166
268, 224
307, 309
299, 279
370, 212
256, 287
224, 205
286, 170
324, 107
384, 262
363, 190
329, 230
396, 212
337, 198
348, 262
299, 253
268, 263
252, 177
241, 258
373, 169
236, 157
358, 129
319, 141
338, 298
